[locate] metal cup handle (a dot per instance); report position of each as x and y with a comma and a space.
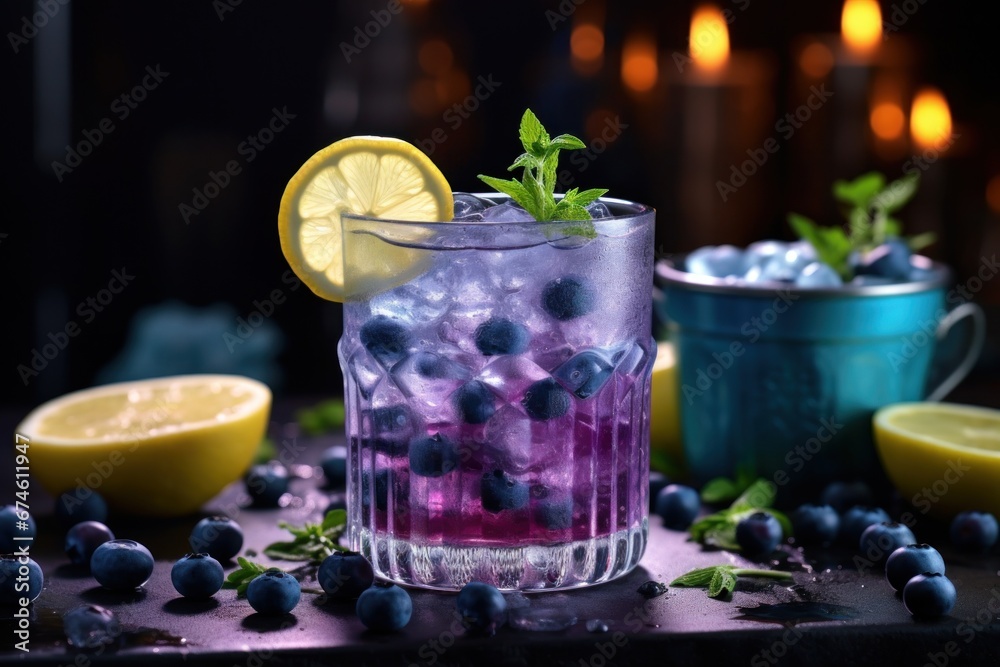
972, 353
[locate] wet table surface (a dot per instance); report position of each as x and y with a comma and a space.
833, 613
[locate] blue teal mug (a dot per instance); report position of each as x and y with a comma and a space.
783, 381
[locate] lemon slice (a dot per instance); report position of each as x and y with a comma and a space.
158, 447
370, 176
944, 458
664, 417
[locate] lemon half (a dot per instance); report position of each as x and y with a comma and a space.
377, 177
944, 458
159, 447
664, 416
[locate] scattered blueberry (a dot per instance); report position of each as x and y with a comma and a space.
657, 480
889, 260
880, 539
218, 536
585, 373
386, 339
929, 595
974, 531
546, 399
758, 534
266, 483
677, 505
274, 592
432, 456
815, 524
344, 575
652, 589
499, 336
121, 565
10, 528
857, 519
384, 607
555, 511
482, 607
567, 298
197, 576
500, 492
818, 274
81, 504
716, 261
842, 496
83, 539
907, 562
334, 465
11, 569
475, 402
91, 626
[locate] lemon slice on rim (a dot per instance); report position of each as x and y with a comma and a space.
944, 458
160, 447
377, 177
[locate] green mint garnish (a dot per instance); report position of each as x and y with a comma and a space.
721, 579
535, 192
719, 529
868, 206
724, 490
241, 577
321, 418
313, 541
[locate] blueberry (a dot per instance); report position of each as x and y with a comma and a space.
435, 367
344, 575
929, 595
381, 490
432, 456
974, 531
758, 534
390, 419
11, 527
842, 496
567, 298
815, 524
218, 536
500, 492
266, 483
855, 520
387, 340
274, 592
498, 336
585, 373
91, 626
197, 576
482, 607
11, 589
677, 505
652, 589
83, 539
475, 402
384, 607
334, 465
907, 562
657, 480
554, 511
818, 274
121, 565
546, 399
889, 260
82, 504
881, 539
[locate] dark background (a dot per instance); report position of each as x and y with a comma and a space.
229, 69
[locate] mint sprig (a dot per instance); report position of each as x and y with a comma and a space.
721, 579
241, 577
719, 529
868, 204
535, 192
313, 541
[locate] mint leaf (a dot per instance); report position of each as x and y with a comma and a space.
719, 490
566, 142
760, 494
897, 194
532, 134
696, 578
859, 191
921, 240
723, 581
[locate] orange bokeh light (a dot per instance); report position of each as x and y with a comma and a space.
587, 42
639, 67
816, 60
861, 25
930, 118
709, 38
887, 121
435, 56
993, 194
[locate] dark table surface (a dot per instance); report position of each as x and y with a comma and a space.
833, 613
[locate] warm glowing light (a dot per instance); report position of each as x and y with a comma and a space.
639, 68
587, 42
415, 3
861, 25
930, 118
709, 38
887, 121
816, 60
435, 56
993, 194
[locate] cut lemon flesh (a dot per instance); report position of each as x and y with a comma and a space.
944, 458
664, 418
161, 447
377, 177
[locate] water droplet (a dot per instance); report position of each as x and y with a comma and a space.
596, 625
540, 620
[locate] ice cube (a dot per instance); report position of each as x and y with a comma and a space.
715, 261
469, 207
510, 376
585, 373
508, 440
366, 372
429, 377
507, 212
757, 254
818, 274
598, 210
91, 626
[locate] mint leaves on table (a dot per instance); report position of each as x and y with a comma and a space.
868, 204
535, 192
721, 579
241, 577
719, 529
724, 490
321, 418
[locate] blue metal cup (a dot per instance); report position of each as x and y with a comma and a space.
783, 381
